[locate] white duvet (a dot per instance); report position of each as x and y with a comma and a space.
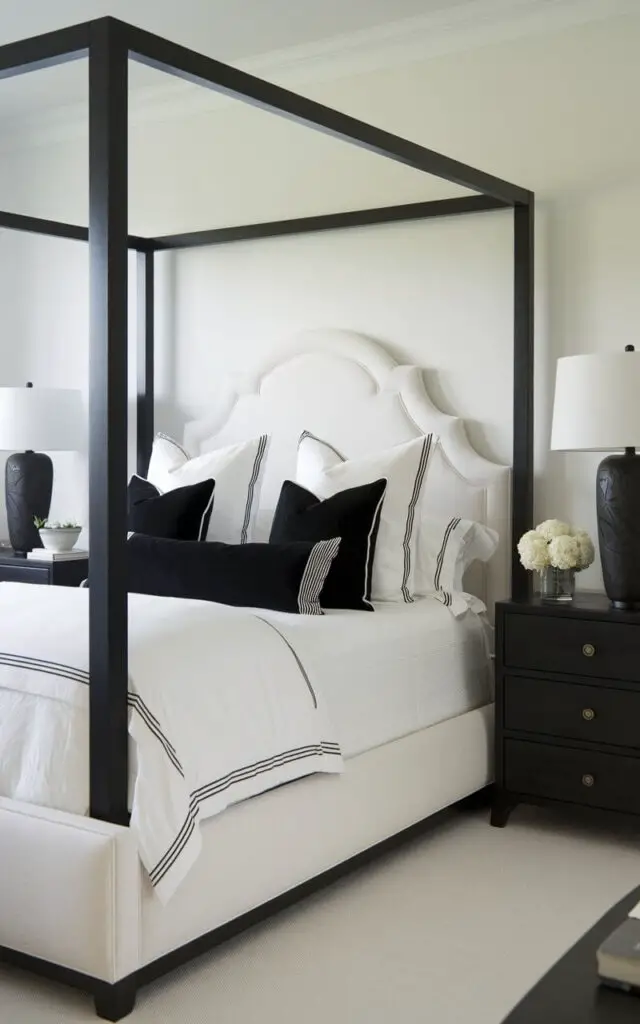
221, 709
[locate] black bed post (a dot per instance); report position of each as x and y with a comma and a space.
145, 352
108, 86
523, 366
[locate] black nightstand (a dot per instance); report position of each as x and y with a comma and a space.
16, 569
567, 706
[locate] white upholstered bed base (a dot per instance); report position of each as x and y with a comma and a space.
72, 890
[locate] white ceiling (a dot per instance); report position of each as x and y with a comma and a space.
269, 37
228, 29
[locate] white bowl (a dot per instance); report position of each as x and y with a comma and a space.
60, 540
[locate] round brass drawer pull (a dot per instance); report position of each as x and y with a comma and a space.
588, 714
588, 650
588, 780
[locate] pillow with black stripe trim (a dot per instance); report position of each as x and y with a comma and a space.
447, 548
181, 514
325, 471
237, 469
280, 577
354, 516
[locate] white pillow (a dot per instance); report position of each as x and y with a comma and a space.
446, 549
324, 471
237, 471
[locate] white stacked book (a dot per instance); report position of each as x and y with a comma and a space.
619, 955
42, 555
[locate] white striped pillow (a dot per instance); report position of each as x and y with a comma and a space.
237, 470
324, 471
446, 549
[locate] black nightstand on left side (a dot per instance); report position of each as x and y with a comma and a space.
17, 569
567, 706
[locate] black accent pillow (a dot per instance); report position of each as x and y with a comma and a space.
181, 514
282, 577
354, 516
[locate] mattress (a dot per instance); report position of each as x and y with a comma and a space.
400, 669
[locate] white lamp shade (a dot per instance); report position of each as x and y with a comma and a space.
597, 403
40, 419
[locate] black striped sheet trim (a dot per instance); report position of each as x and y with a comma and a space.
255, 475
303, 671
171, 440
307, 435
450, 527
199, 796
79, 675
51, 668
315, 574
423, 462
445, 597
137, 704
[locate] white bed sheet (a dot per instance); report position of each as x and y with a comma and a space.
383, 676
392, 672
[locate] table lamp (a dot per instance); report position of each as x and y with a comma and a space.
30, 419
597, 409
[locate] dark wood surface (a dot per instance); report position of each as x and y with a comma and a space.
17, 569
587, 647
522, 474
587, 604
578, 711
567, 706
584, 776
108, 418
570, 992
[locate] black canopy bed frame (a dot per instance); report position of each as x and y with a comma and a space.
109, 44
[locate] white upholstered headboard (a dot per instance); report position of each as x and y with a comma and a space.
345, 388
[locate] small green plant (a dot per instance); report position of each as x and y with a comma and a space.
44, 524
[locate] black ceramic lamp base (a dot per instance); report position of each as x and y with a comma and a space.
28, 487
618, 501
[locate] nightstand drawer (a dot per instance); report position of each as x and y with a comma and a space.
587, 777
574, 646
23, 573
598, 714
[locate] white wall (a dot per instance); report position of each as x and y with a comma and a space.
554, 113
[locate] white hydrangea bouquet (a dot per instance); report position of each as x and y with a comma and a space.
554, 544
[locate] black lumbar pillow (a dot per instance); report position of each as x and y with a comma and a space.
181, 514
354, 516
281, 577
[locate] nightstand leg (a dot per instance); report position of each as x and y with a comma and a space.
501, 807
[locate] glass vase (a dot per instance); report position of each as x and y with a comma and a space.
557, 585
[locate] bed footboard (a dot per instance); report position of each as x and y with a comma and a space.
69, 893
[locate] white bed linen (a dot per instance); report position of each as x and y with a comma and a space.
391, 672
221, 709
379, 676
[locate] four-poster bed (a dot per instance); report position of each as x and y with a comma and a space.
123, 957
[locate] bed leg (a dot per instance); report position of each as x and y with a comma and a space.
113, 1002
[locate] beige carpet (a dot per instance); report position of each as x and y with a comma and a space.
455, 927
